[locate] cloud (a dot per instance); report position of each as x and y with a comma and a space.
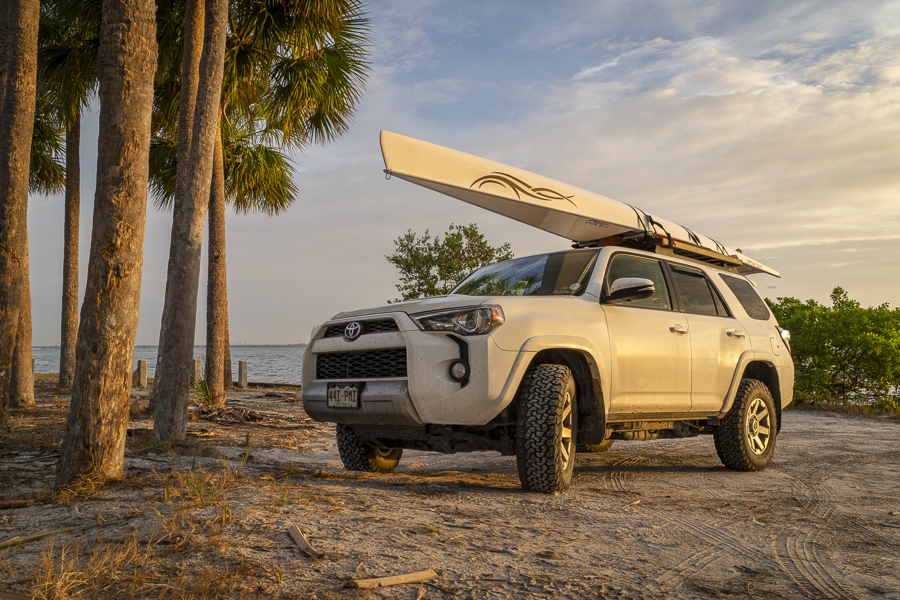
750, 150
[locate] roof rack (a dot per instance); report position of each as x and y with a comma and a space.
653, 242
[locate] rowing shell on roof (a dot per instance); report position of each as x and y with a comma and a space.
573, 213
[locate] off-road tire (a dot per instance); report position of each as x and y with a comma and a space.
595, 448
745, 438
357, 455
545, 429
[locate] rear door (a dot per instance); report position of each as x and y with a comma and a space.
717, 339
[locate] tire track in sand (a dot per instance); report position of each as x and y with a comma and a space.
799, 553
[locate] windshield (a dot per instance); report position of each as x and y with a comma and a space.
555, 274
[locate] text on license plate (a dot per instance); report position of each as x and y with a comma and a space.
343, 395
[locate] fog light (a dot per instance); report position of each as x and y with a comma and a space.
459, 370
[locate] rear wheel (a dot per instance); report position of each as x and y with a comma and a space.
595, 448
545, 429
745, 439
358, 455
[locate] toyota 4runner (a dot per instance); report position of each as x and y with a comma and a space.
544, 356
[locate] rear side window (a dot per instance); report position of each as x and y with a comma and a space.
696, 295
627, 265
748, 297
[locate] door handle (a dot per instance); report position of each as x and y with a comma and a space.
679, 329
735, 333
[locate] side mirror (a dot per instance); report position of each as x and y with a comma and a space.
629, 289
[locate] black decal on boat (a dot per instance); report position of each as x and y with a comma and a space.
520, 187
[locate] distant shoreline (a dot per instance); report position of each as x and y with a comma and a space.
204, 346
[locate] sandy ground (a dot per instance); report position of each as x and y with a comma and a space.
661, 519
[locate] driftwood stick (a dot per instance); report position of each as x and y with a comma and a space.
301, 541
29, 538
394, 580
15, 504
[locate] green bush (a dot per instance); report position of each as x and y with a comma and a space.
844, 355
432, 266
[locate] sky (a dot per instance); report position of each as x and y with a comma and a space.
771, 126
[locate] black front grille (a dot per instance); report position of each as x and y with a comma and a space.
361, 365
380, 326
367, 327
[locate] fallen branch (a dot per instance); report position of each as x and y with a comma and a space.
301, 541
30, 538
365, 584
15, 504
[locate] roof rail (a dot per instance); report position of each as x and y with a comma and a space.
653, 242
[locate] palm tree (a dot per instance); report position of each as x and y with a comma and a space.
172, 390
67, 59
293, 75
16, 127
176, 97
94, 438
46, 175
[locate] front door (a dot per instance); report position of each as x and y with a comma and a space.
649, 345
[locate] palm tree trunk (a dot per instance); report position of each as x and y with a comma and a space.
21, 387
4, 47
226, 355
69, 326
94, 438
190, 67
173, 389
16, 127
216, 281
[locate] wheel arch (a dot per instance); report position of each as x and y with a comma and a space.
592, 408
762, 370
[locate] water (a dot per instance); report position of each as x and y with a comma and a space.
274, 364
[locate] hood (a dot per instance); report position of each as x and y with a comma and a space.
414, 306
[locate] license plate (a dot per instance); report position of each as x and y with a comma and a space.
343, 395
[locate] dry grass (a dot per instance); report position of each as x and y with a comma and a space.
196, 528
147, 569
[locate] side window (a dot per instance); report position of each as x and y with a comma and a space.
627, 265
695, 293
748, 297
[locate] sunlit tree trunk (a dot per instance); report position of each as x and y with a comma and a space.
173, 389
22, 384
216, 302
16, 126
94, 438
226, 362
190, 66
69, 321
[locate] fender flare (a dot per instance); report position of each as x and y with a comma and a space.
593, 413
749, 356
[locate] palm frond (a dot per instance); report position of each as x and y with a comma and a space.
47, 171
258, 178
163, 169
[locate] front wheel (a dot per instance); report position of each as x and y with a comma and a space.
545, 429
357, 455
745, 439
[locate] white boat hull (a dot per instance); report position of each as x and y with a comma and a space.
573, 213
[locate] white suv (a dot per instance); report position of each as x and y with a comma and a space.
541, 356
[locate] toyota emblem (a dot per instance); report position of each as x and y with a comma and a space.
352, 330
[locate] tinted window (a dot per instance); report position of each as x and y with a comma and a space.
556, 274
748, 297
693, 289
626, 265
717, 296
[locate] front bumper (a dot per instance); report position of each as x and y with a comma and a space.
381, 403
427, 394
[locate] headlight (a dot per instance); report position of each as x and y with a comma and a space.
466, 321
